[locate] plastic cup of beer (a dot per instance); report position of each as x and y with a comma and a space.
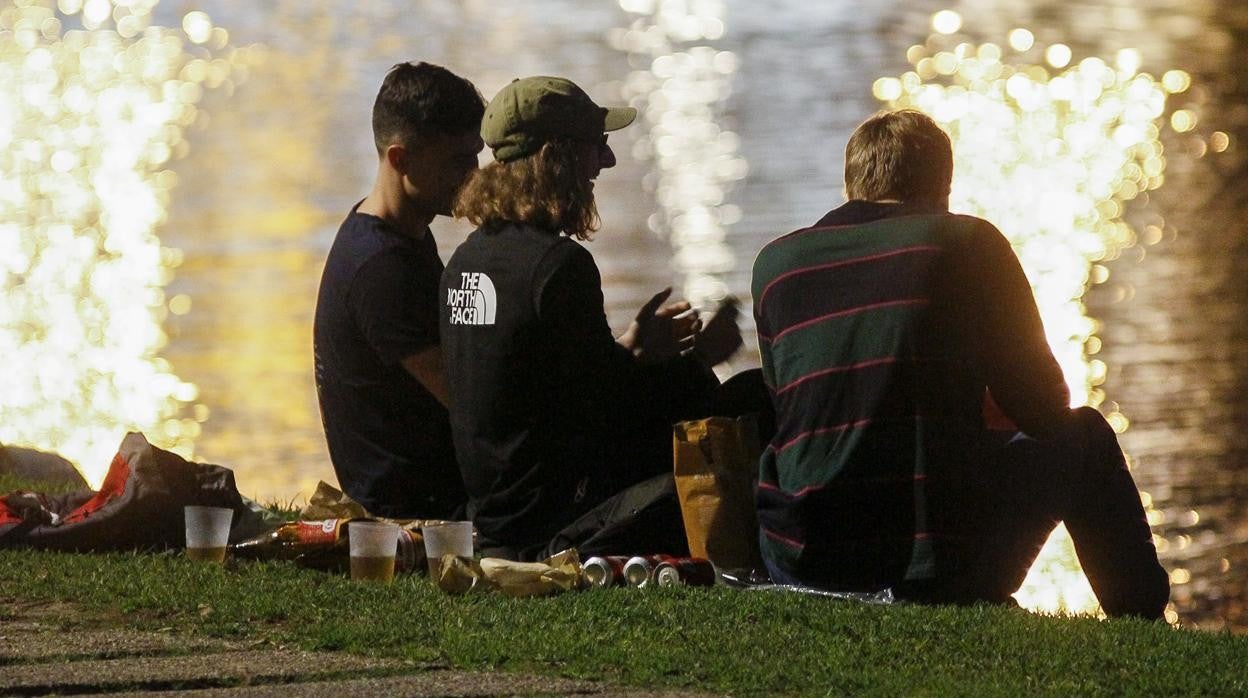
207, 532
373, 546
449, 538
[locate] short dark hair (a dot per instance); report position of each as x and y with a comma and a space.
420, 98
899, 155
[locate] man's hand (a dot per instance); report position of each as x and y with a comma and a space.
661, 330
426, 368
721, 337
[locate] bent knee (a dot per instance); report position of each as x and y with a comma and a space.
1091, 425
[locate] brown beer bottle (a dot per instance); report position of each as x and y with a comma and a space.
323, 545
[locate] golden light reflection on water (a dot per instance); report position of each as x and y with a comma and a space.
682, 85
1049, 152
87, 133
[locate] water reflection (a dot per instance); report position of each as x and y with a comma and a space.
680, 92
101, 101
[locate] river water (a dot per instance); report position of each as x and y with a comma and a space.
742, 141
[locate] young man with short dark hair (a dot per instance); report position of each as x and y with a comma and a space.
883, 329
378, 358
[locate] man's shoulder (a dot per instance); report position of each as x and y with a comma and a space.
877, 232
835, 241
364, 240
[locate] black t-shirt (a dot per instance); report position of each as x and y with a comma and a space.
389, 438
544, 402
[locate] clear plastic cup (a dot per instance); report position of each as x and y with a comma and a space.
207, 532
449, 538
373, 546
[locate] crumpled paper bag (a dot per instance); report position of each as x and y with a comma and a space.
329, 502
558, 573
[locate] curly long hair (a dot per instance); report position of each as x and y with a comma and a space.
545, 189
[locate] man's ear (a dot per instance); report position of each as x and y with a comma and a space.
396, 157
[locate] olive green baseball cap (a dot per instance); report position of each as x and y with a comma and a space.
532, 111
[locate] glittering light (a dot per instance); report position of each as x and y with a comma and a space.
1219, 142
96, 12
886, 89
1022, 40
198, 27
1050, 159
1058, 55
1176, 81
180, 304
1129, 61
85, 132
696, 160
1183, 120
946, 22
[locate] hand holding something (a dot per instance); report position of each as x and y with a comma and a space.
721, 337
661, 330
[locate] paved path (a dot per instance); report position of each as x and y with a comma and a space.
56, 649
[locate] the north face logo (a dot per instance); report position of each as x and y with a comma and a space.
474, 302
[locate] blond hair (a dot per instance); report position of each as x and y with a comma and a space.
902, 155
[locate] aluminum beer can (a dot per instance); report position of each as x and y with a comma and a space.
605, 571
639, 570
687, 571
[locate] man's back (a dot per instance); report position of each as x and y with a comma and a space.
530, 369
388, 437
880, 328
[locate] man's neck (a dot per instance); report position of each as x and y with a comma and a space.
942, 204
388, 203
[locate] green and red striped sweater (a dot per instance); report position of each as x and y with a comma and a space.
881, 327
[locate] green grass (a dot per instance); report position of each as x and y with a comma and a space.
10, 482
717, 639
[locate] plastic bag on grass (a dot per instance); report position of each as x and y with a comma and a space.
138, 506
754, 581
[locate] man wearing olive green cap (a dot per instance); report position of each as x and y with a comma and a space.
526, 114
556, 422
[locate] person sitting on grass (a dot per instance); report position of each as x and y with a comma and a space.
554, 419
884, 330
378, 362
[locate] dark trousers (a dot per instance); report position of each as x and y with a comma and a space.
1022, 490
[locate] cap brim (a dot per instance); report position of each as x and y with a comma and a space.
618, 117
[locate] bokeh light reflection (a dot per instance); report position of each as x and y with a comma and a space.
681, 88
101, 102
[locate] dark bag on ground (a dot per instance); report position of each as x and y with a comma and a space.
139, 505
640, 520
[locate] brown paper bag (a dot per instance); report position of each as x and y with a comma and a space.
716, 464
